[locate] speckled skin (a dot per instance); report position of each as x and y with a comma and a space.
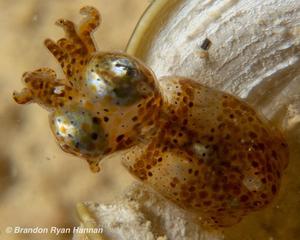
207, 151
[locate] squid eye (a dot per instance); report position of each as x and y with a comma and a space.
78, 132
118, 77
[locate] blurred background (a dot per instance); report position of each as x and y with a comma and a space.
40, 184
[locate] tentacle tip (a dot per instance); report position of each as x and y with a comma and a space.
94, 167
64, 23
30, 75
87, 10
25, 75
51, 45
48, 42
59, 22
22, 97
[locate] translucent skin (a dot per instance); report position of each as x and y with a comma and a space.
212, 155
207, 151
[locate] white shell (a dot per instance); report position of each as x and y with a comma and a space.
255, 50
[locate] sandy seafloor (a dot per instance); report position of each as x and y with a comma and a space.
40, 184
